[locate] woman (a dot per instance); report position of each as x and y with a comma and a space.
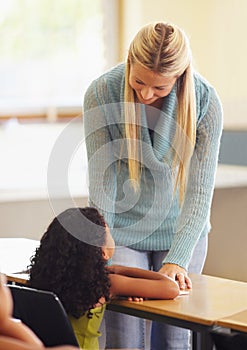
71, 261
153, 128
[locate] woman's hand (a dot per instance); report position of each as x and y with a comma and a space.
178, 274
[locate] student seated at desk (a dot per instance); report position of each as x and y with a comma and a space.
14, 335
72, 262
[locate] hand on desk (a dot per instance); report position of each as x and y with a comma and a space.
178, 274
136, 299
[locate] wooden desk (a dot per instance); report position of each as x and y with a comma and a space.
211, 299
19, 278
237, 321
15, 254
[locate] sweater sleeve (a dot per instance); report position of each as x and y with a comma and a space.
195, 211
101, 162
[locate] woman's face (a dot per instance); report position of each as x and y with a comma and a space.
148, 85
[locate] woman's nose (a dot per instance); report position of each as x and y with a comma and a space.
146, 93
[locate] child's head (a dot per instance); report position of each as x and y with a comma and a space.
72, 257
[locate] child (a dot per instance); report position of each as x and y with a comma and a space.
72, 262
14, 335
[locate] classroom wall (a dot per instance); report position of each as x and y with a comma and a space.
29, 218
227, 240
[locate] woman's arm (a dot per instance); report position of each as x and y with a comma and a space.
195, 212
101, 162
135, 282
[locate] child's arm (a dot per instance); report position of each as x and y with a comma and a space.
130, 281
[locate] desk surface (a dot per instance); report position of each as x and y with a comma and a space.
237, 321
211, 299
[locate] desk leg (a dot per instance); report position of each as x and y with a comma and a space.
202, 341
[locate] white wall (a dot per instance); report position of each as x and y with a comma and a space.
227, 240
43, 171
30, 218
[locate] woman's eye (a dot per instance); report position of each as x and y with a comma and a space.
161, 88
139, 82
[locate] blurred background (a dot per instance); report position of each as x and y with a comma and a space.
50, 50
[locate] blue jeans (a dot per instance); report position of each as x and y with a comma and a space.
128, 332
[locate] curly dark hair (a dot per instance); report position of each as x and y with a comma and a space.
69, 260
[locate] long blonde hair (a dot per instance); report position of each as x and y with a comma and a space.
164, 49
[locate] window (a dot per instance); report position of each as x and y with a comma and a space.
50, 50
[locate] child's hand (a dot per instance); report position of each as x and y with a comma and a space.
63, 347
136, 299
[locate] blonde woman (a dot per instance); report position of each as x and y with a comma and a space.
152, 129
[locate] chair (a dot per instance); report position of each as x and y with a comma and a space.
44, 313
229, 341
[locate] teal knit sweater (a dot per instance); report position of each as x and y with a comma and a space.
151, 218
